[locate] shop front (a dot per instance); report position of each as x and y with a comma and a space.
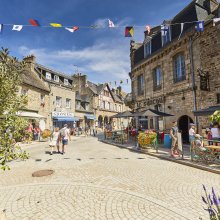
90, 119
62, 118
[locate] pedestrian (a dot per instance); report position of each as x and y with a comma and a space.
94, 130
65, 137
192, 138
215, 133
37, 133
55, 139
173, 134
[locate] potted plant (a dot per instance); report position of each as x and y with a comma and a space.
46, 134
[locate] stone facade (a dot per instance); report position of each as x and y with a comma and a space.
179, 98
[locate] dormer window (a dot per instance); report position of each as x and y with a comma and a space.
56, 78
66, 82
48, 76
147, 49
165, 34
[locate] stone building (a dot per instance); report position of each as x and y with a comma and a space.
61, 98
96, 104
37, 109
178, 73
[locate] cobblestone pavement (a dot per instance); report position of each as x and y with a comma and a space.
99, 181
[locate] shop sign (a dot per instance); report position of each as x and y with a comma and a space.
62, 114
149, 102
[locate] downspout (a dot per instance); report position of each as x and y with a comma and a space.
193, 79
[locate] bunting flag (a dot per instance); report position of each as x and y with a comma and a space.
127, 81
115, 83
17, 27
215, 20
1, 28
110, 24
121, 81
129, 31
34, 23
164, 29
200, 26
181, 31
94, 26
148, 29
75, 28
55, 25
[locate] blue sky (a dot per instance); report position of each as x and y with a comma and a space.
102, 54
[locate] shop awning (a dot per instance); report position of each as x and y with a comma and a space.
208, 111
153, 113
67, 119
31, 115
90, 117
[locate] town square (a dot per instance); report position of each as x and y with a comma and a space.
110, 110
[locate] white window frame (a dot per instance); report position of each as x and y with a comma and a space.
66, 82
68, 103
56, 78
145, 49
58, 101
48, 76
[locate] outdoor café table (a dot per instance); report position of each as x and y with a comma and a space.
215, 151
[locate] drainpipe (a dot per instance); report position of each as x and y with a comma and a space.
193, 79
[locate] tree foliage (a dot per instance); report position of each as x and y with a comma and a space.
11, 125
216, 117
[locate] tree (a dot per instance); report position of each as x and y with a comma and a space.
11, 124
216, 117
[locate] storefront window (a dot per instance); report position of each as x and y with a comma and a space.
141, 84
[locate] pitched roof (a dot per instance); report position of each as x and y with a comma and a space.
32, 79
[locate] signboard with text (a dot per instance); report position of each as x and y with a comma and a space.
149, 102
62, 114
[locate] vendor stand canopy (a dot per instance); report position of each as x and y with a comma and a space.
153, 113
31, 115
208, 111
125, 114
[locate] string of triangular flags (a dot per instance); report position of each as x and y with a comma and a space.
128, 32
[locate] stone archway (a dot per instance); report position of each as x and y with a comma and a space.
105, 120
100, 121
184, 125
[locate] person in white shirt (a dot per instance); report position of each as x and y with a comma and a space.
215, 132
192, 133
65, 136
55, 140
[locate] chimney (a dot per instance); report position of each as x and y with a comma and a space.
31, 61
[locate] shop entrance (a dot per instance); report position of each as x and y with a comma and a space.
184, 124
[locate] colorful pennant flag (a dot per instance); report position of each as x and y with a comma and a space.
148, 29
127, 81
121, 81
75, 28
110, 24
55, 25
17, 27
34, 23
115, 83
164, 29
200, 26
181, 31
94, 26
215, 20
129, 31
1, 28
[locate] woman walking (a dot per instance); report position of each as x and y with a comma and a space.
55, 140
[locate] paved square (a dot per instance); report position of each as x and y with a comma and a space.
99, 181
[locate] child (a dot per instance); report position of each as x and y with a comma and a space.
55, 140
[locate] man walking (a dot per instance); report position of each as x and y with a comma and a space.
173, 134
65, 136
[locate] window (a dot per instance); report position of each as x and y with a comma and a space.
24, 91
78, 104
115, 107
66, 82
48, 76
179, 68
56, 78
166, 34
141, 84
68, 103
147, 49
103, 104
58, 101
119, 108
42, 99
157, 78
218, 98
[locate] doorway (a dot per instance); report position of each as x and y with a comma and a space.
184, 124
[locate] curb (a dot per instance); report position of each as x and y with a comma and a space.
183, 162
